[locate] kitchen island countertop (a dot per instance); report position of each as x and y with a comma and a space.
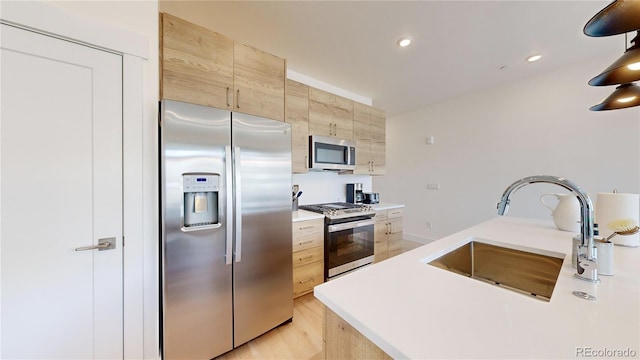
412, 310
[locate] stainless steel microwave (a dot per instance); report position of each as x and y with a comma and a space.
327, 153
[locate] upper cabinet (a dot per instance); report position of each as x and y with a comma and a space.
330, 115
297, 114
369, 135
203, 67
258, 82
196, 64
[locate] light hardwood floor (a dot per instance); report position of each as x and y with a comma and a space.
299, 340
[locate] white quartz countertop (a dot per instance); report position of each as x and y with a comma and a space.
386, 206
413, 310
304, 215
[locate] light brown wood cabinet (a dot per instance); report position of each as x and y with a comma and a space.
297, 114
308, 256
196, 64
387, 234
258, 82
369, 134
343, 341
330, 115
203, 67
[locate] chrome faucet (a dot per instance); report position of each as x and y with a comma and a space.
586, 254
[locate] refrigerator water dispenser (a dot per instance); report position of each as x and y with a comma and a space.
200, 201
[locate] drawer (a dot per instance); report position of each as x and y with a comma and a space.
308, 234
381, 216
306, 277
394, 213
304, 257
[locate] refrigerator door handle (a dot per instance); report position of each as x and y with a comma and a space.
229, 197
238, 215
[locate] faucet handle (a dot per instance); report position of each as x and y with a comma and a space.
587, 264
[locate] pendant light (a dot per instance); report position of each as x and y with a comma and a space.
625, 96
621, 16
624, 70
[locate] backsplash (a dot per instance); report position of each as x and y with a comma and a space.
323, 187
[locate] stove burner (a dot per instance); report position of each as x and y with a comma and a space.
340, 210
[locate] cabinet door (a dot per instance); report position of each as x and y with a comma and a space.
395, 236
362, 137
363, 157
320, 113
378, 142
378, 154
258, 82
361, 121
380, 245
297, 114
196, 64
378, 125
343, 117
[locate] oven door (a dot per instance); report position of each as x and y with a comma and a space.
348, 246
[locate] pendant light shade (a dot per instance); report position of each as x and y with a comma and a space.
621, 16
625, 95
624, 70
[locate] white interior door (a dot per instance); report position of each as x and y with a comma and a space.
61, 189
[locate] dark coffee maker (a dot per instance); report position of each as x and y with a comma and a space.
354, 193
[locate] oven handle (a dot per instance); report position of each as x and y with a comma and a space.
349, 225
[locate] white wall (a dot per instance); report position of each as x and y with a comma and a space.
487, 140
322, 187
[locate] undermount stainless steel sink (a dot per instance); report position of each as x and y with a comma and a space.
532, 272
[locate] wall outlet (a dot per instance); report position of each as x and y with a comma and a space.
433, 186
429, 225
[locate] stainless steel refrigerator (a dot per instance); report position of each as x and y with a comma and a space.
226, 268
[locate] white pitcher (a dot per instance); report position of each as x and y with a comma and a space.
566, 214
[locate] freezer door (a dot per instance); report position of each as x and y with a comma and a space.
263, 274
196, 279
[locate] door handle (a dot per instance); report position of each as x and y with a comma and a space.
103, 244
229, 197
238, 203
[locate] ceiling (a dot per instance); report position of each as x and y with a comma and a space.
458, 47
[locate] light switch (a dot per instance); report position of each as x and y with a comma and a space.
431, 140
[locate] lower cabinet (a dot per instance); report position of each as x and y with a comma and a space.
388, 234
343, 341
308, 256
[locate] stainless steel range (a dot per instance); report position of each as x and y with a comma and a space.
348, 236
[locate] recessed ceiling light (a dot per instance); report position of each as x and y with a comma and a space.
533, 58
404, 41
